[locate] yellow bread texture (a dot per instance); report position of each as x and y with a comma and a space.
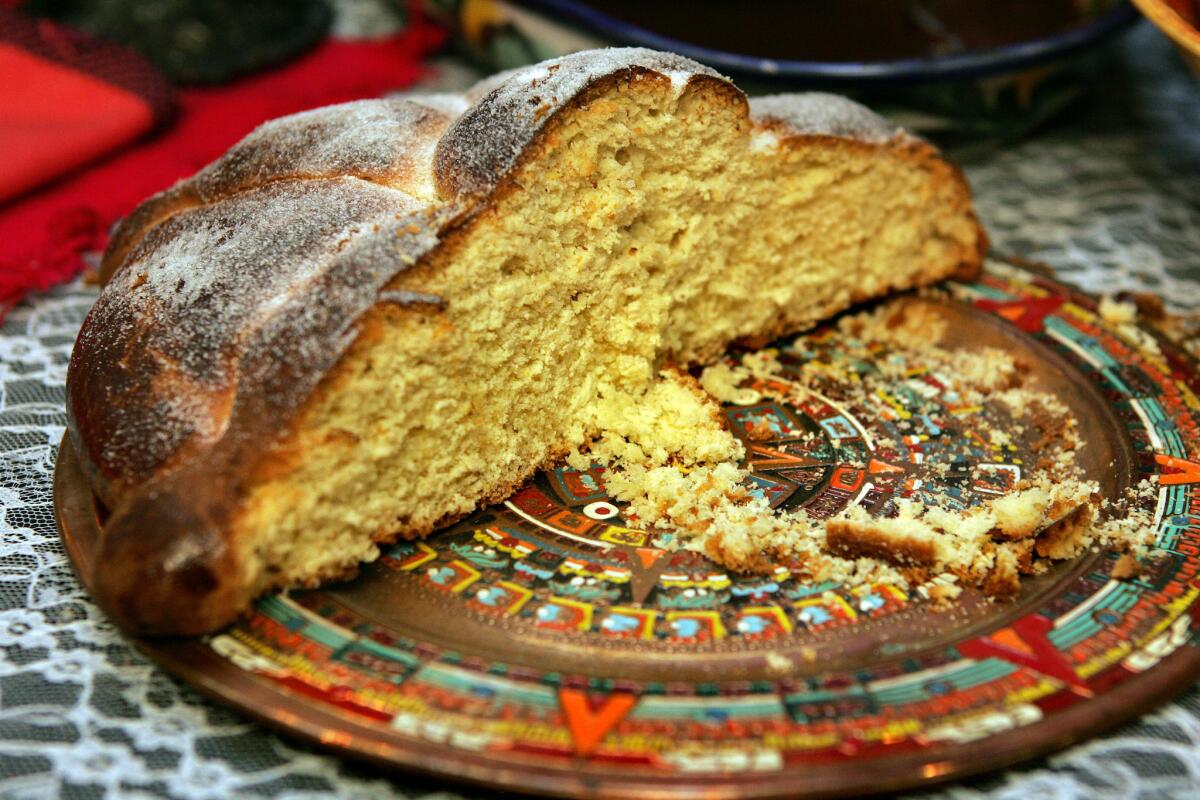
649, 228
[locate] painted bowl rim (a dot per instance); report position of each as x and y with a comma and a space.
979, 63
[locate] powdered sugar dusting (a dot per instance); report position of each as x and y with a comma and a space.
211, 269
528, 75
388, 141
449, 103
181, 323
486, 141
679, 80
821, 114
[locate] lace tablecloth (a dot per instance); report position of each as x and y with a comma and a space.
1110, 196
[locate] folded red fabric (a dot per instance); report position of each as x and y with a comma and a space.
56, 118
44, 233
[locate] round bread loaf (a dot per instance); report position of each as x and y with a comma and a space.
366, 320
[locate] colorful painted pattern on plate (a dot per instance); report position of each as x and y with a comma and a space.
559, 562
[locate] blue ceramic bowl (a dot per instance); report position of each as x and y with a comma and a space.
958, 66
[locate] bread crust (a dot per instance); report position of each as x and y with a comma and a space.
173, 476
851, 539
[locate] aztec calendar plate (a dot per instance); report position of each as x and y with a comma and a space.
545, 646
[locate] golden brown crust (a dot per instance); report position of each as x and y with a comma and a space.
1004, 580
851, 539
1061, 539
1126, 568
133, 228
382, 141
169, 419
166, 566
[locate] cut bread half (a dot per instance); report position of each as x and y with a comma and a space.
296, 362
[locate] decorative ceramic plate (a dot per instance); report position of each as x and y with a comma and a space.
543, 645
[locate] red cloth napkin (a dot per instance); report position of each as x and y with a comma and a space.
43, 234
68, 98
56, 118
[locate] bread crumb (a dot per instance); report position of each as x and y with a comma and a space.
779, 664
1117, 312
1126, 567
671, 459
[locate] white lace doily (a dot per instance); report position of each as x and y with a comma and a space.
1111, 198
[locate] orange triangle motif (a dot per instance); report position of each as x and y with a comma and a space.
766, 457
1009, 638
1189, 471
1026, 643
589, 725
876, 466
1011, 313
649, 555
